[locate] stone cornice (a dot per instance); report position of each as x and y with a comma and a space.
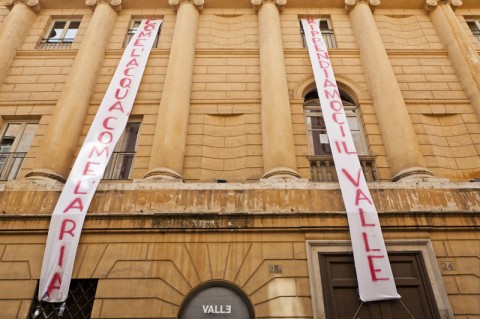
432, 4
116, 4
350, 4
175, 4
257, 4
32, 4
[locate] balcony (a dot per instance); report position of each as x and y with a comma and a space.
323, 168
120, 166
56, 44
10, 164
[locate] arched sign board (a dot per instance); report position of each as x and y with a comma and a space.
216, 300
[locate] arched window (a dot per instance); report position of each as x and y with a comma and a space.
320, 154
316, 131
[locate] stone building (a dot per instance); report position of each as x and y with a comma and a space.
221, 199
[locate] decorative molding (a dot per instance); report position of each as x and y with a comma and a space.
32, 4
116, 4
175, 4
257, 4
430, 5
350, 4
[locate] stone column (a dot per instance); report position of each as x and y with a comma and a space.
277, 133
461, 51
61, 138
401, 144
168, 149
14, 30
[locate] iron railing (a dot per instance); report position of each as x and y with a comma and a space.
120, 165
78, 305
10, 164
56, 44
323, 168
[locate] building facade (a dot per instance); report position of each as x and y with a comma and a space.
221, 198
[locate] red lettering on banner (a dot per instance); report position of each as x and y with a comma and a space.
373, 270
126, 72
362, 218
334, 95
338, 104
336, 120
345, 148
105, 122
117, 106
75, 204
77, 187
90, 172
125, 83
328, 83
149, 25
361, 196
132, 62
117, 94
138, 43
145, 34
367, 245
64, 230
135, 54
109, 136
52, 285
98, 153
60, 259
355, 182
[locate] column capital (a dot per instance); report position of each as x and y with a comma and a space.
350, 4
116, 4
32, 4
257, 4
175, 4
430, 5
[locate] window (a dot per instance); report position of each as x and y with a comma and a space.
134, 24
316, 130
78, 305
333, 282
15, 141
121, 162
321, 160
60, 35
327, 33
474, 26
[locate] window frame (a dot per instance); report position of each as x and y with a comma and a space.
13, 158
312, 108
422, 246
132, 29
476, 22
328, 34
61, 42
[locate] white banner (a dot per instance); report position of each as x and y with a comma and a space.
110, 121
374, 274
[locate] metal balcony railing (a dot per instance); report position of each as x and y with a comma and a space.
328, 36
120, 165
56, 44
323, 168
10, 164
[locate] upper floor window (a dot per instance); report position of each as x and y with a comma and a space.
15, 141
327, 33
61, 34
317, 131
474, 25
132, 28
322, 165
121, 162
